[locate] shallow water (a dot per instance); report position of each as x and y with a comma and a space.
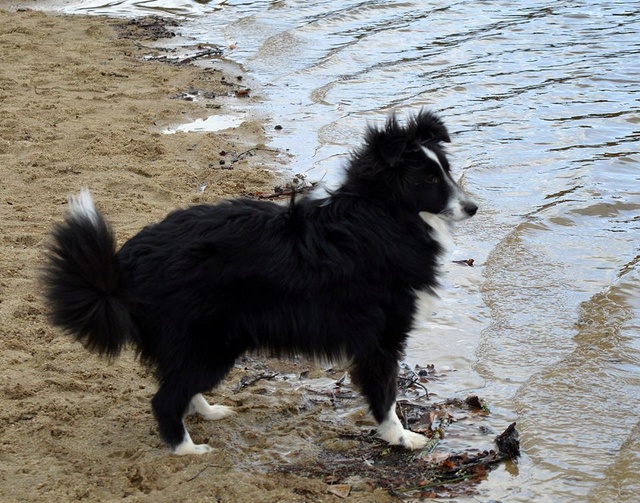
542, 100
208, 125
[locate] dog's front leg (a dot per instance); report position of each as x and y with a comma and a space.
391, 430
376, 374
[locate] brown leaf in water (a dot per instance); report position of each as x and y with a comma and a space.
474, 402
480, 472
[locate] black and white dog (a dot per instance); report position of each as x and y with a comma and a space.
332, 276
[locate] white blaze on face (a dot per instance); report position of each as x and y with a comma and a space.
432, 155
455, 209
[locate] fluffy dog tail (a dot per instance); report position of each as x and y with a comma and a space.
83, 283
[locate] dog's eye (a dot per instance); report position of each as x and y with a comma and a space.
433, 178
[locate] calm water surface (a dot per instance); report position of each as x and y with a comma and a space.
542, 99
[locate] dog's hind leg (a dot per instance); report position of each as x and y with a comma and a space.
188, 447
180, 390
170, 405
210, 412
376, 375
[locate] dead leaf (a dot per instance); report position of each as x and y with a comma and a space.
340, 490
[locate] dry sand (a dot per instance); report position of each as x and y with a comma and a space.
80, 107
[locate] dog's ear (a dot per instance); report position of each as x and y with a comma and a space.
389, 143
427, 127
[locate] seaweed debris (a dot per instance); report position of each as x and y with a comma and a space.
409, 474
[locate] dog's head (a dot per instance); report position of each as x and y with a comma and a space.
407, 165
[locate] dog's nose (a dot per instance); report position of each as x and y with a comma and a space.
470, 208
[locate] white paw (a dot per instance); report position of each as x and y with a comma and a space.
190, 448
412, 440
215, 412
391, 431
210, 412
404, 438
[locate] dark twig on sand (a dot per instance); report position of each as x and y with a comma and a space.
207, 53
203, 470
247, 381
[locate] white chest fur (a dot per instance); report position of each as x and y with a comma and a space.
441, 231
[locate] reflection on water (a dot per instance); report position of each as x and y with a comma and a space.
542, 99
210, 124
